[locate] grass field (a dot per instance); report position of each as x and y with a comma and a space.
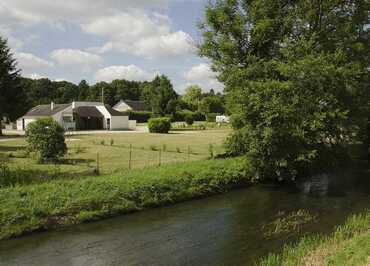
114, 152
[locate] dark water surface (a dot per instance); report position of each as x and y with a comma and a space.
220, 230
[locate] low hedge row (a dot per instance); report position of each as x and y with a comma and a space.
58, 203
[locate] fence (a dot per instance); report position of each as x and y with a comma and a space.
138, 158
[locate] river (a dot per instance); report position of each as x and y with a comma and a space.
220, 230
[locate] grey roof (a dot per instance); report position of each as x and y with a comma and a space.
88, 111
114, 112
136, 105
45, 110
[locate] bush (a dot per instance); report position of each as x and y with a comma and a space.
159, 125
140, 116
45, 138
180, 116
211, 117
189, 119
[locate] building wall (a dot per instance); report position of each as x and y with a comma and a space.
27, 120
119, 122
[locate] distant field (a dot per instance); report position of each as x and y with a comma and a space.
114, 151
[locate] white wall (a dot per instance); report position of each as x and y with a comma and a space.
119, 122
26, 122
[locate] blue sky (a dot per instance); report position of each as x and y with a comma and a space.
104, 40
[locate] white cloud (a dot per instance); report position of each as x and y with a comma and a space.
37, 11
130, 72
203, 76
74, 57
140, 34
29, 63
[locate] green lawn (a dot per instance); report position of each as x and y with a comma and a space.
147, 150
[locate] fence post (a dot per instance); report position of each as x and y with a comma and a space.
160, 157
130, 158
97, 164
188, 153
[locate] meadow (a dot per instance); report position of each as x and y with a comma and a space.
112, 153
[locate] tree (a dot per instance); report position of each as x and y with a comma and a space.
192, 97
11, 93
212, 104
45, 137
83, 90
295, 75
158, 93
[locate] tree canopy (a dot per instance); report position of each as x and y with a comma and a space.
11, 97
296, 77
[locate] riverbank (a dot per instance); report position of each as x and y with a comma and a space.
348, 245
29, 208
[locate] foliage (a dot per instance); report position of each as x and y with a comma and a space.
58, 203
158, 93
159, 125
296, 86
212, 104
348, 245
211, 117
140, 116
189, 119
179, 116
192, 97
45, 137
11, 94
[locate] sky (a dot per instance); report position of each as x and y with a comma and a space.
106, 40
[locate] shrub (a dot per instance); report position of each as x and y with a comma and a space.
189, 119
211, 117
140, 116
45, 138
159, 125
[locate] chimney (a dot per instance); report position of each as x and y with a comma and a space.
52, 105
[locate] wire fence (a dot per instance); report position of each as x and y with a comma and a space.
139, 158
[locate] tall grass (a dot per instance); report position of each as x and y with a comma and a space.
328, 250
63, 202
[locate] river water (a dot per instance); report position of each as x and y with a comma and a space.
220, 230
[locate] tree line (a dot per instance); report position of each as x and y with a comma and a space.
18, 94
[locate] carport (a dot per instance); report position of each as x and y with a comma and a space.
88, 118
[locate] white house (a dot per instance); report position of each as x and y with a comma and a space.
128, 105
79, 116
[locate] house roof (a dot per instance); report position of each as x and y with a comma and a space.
88, 111
114, 112
136, 105
45, 110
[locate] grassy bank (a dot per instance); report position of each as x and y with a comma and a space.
63, 202
348, 245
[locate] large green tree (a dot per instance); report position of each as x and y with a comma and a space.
192, 97
11, 94
158, 93
296, 77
